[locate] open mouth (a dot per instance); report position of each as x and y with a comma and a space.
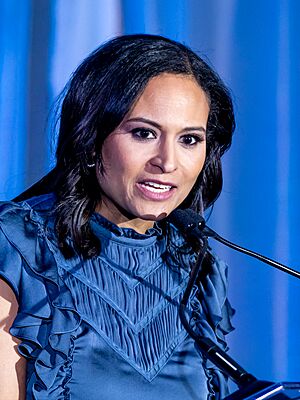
156, 187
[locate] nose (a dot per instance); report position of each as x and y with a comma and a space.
165, 157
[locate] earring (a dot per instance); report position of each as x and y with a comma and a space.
92, 165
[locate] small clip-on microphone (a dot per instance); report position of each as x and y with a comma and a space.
193, 226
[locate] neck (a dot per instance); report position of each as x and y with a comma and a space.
139, 225
121, 219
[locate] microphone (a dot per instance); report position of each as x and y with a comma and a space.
193, 225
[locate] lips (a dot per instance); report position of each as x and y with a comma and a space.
156, 190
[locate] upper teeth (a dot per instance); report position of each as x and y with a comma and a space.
158, 186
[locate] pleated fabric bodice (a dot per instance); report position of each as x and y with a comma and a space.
108, 327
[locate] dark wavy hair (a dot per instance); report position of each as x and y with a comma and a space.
98, 96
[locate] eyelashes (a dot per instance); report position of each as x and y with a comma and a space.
191, 140
145, 134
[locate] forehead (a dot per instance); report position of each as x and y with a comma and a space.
179, 95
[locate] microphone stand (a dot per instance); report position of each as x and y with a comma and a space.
250, 388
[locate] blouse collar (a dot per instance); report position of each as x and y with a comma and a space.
100, 221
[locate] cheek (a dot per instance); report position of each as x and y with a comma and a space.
120, 170
194, 166
113, 158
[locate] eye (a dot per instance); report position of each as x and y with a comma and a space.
191, 140
143, 133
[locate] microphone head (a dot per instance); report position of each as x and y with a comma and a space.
187, 221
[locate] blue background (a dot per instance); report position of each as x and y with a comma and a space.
255, 47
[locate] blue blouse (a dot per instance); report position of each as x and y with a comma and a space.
108, 327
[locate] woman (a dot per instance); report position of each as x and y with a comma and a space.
88, 256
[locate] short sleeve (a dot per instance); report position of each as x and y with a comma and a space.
10, 264
19, 245
43, 323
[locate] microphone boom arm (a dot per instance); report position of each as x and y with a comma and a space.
210, 233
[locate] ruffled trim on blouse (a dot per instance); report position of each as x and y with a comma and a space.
71, 292
212, 319
45, 324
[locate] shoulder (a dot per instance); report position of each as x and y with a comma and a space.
22, 233
18, 219
35, 208
44, 202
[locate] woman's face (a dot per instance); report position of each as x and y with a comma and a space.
153, 158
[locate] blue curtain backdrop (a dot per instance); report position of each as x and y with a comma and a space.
255, 47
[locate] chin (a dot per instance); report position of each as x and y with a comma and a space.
155, 216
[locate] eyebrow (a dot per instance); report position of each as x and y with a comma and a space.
158, 126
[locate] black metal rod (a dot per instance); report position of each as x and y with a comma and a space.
209, 348
209, 232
